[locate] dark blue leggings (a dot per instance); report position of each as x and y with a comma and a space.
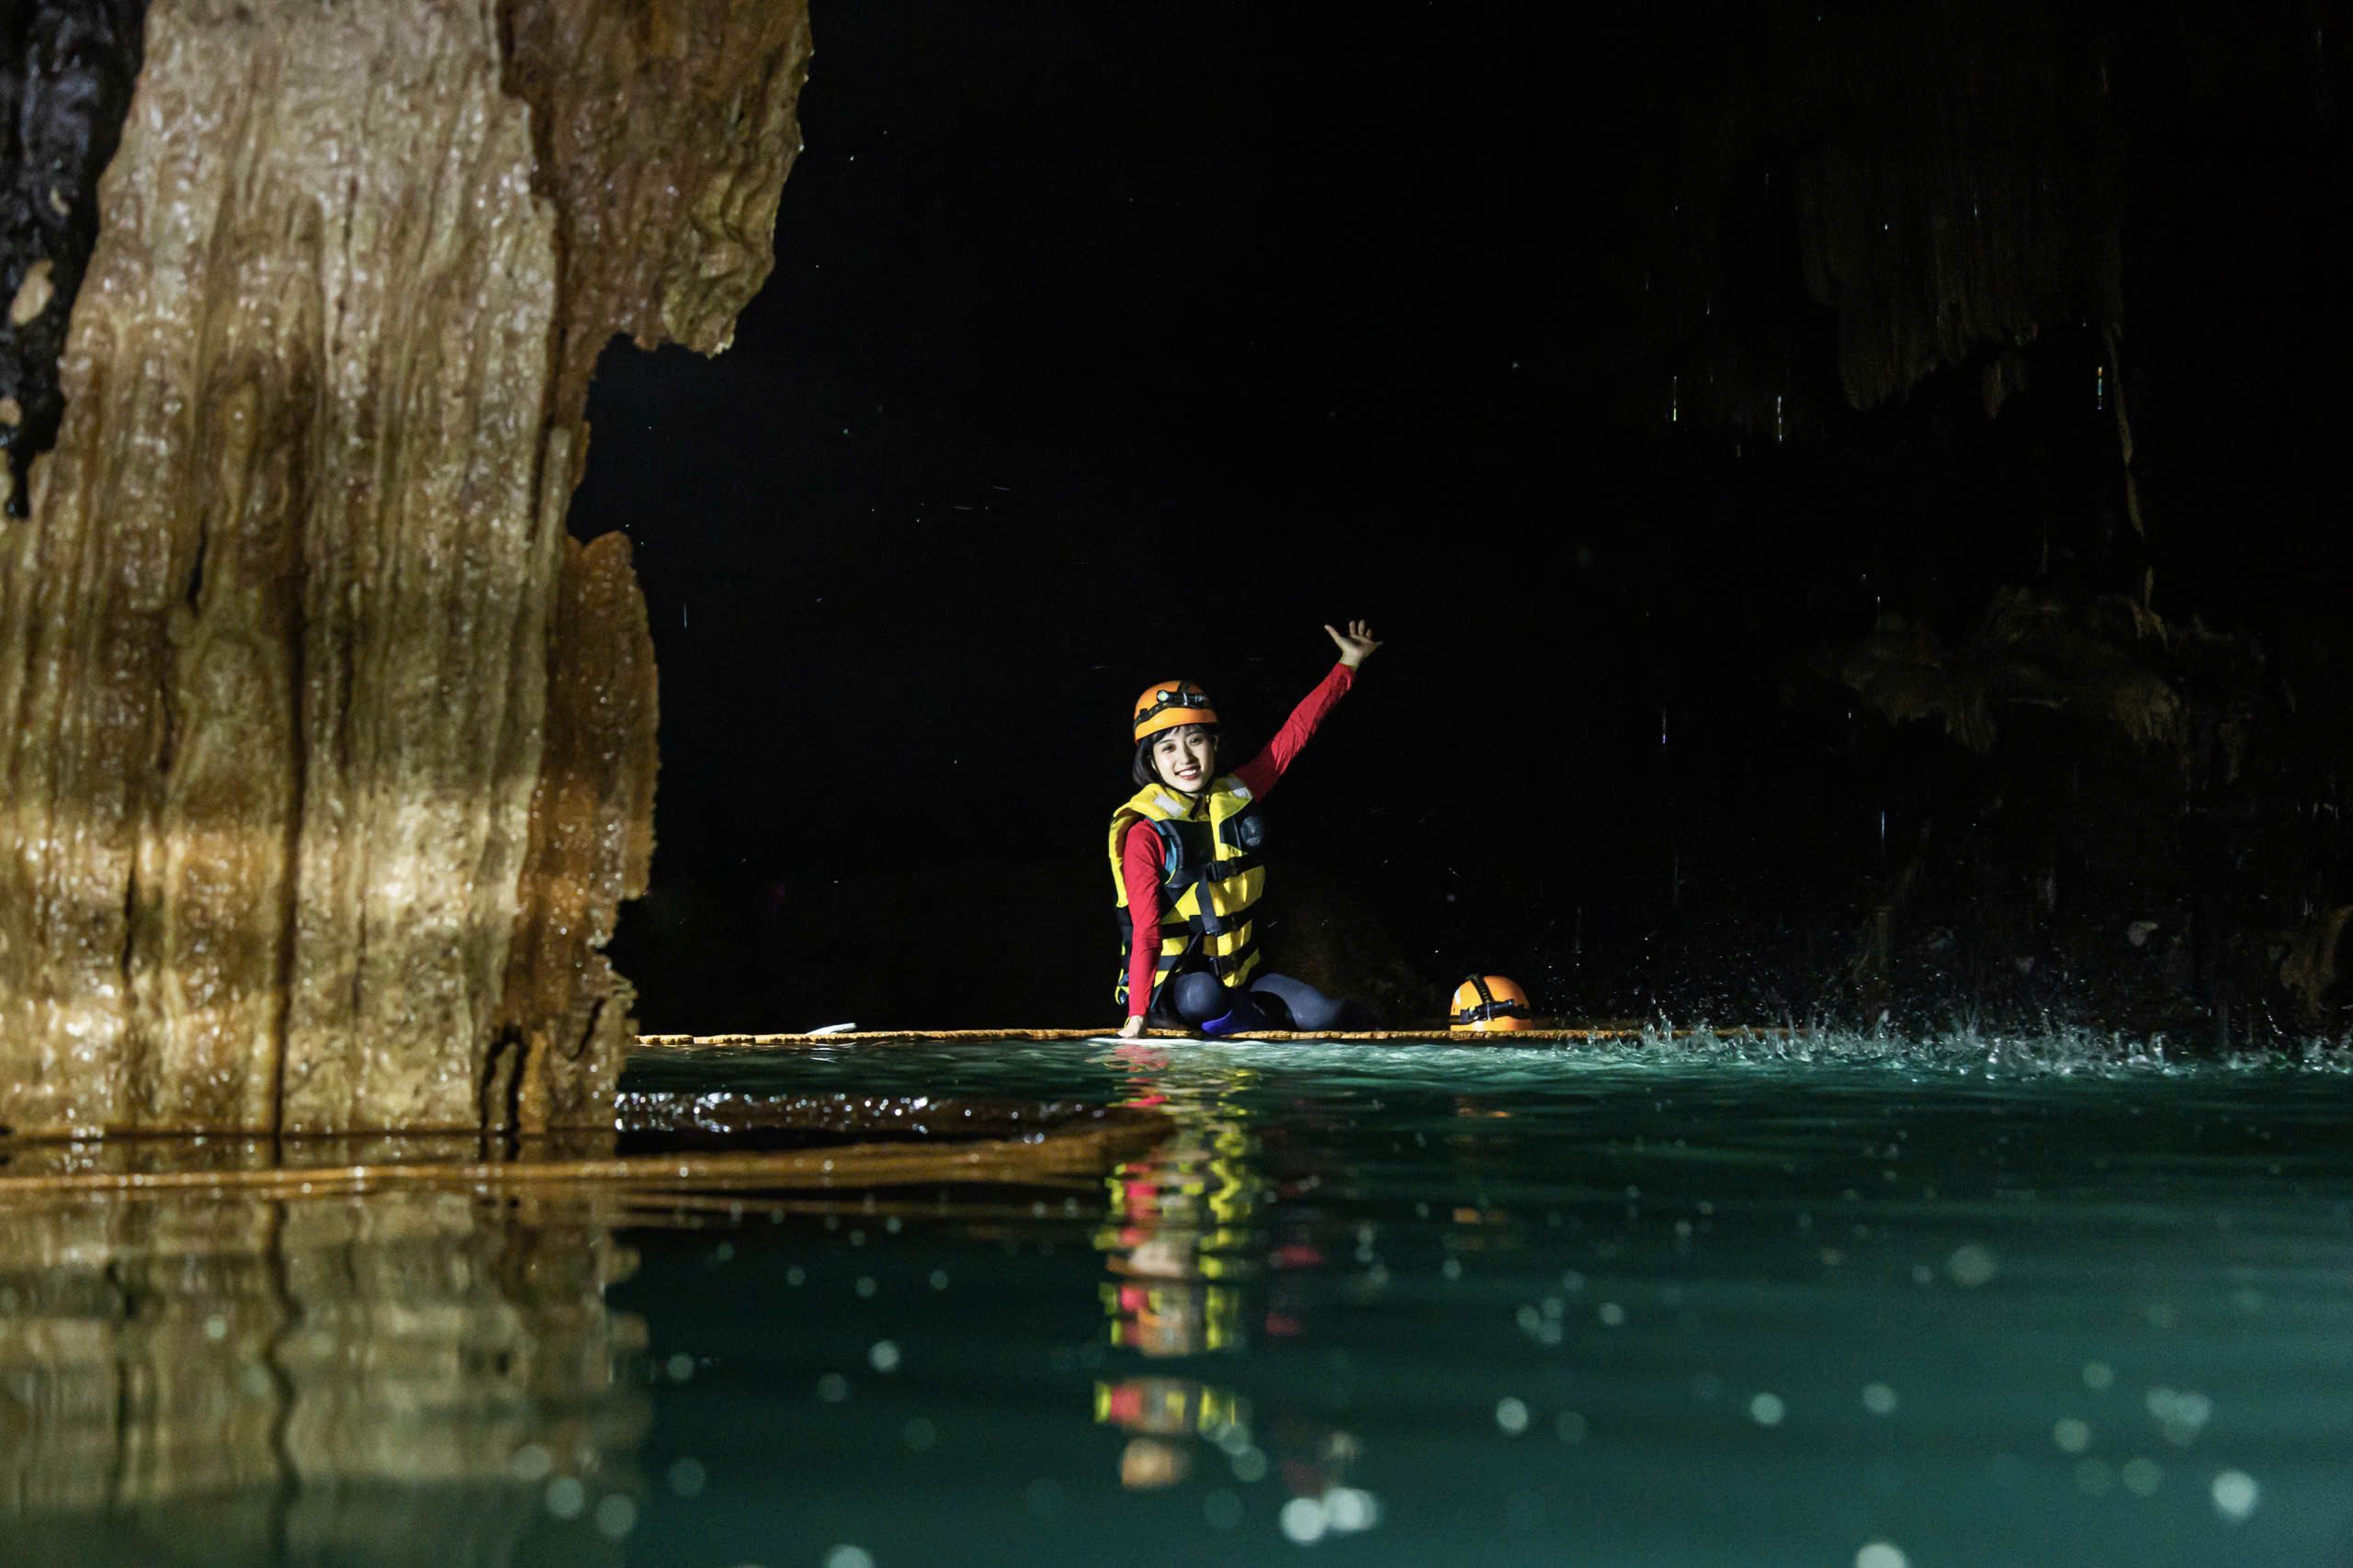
1197, 999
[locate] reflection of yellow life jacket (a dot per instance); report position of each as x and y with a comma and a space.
1209, 877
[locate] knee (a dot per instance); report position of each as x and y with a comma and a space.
1199, 998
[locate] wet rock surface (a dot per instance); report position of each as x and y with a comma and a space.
328, 754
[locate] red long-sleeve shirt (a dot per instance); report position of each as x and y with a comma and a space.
1140, 854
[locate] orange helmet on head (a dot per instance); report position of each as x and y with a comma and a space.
1485, 1003
1164, 704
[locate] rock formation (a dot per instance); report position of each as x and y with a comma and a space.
326, 755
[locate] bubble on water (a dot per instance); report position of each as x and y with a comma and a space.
865, 1286
939, 1279
1881, 1554
680, 1367
615, 1516
1222, 1509
1303, 1520
1879, 1399
567, 1498
883, 1356
2072, 1436
687, 1477
849, 1557
530, 1464
1611, 1314
1572, 1281
1347, 1509
2142, 1477
2099, 1376
919, 1435
1511, 1415
1767, 1410
795, 1275
1970, 1265
1569, 1426
2235, 1495
1452, 1269
833, 1388
1922, 1274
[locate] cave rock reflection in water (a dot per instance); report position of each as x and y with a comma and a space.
402, 1377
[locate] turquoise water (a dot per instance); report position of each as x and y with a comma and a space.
1837, 1302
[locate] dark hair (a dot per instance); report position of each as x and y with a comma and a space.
1142, 769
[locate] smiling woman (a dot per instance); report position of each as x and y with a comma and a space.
1185, 867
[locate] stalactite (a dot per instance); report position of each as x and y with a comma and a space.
1968, 194
319, 735
1956, 186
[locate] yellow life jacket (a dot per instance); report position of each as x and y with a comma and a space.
1210, 876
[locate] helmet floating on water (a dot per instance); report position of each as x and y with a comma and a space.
1167, 704
1487, 1002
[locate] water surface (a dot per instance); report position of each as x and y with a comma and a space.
1824, 1301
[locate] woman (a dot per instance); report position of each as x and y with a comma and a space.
1184, 864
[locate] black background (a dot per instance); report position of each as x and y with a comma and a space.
1113, 342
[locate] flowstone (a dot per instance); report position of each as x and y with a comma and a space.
326, 755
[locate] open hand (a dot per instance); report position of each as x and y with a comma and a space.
1357, 646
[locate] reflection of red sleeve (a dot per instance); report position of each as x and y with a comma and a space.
1140, 865
1258, 774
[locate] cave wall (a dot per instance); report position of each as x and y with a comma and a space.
328, 755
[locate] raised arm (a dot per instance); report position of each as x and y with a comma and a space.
1260, 774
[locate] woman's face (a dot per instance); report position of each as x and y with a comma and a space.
1183, 756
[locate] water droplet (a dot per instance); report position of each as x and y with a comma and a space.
1767, 1410
1347, 1509
1303, 1520
2235, 1495
615, 1516
1970, 1265
1511, 1415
